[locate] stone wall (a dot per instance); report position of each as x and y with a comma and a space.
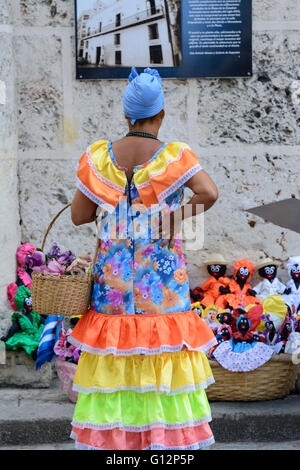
245, 132
9, 205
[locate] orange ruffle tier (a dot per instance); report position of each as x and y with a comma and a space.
157, 439
121, 335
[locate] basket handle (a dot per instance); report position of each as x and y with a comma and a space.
53, 222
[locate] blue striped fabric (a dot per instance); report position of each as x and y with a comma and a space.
48, 339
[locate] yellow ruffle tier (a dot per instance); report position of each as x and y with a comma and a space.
170, 373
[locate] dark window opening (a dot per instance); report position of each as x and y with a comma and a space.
152, 6
98, 55
118, 58
118, 19
156, 55
100, 27
153, 31
117, 39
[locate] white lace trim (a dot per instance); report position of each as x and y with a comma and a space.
178, 183
128, 352
100, 177
145, 427
149, 388
197, 446
96, 199
157, 173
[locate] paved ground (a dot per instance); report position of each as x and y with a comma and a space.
41, 419
292, 445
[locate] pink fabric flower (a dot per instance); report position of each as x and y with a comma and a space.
40, 269
25, 278
11, 292
23, 251
55, 268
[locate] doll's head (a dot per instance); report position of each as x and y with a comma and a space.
267, 269
23, 300
293, 267
243, 271
225, 332
216, 270
216, 265
268, 272
28, 304
243, 324
225, 318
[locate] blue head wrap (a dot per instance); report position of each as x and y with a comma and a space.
143, 96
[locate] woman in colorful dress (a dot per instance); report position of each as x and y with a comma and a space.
143, 370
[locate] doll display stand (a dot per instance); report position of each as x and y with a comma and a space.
275, 379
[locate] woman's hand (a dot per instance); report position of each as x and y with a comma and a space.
169, 227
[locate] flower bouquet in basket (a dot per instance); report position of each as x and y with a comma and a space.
61, 284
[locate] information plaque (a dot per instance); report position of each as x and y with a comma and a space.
181, 38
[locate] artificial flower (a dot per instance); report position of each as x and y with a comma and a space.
23, 251
54, 252
11, 292
35, 259
54, 267
25, 278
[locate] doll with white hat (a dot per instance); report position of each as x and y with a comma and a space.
217, 283
270, 285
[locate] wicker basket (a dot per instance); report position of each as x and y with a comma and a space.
275, 379
62, 295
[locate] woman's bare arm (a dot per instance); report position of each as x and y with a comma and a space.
83, 210
205, 192
205, 195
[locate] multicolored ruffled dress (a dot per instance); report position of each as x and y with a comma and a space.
142, 375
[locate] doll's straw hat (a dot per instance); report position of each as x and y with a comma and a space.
265, 262
215, 258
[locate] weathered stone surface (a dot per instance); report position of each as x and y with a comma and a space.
4, 12
19, 371
99, 111
276, 10
9, 227
258, 109
46, 13
40, 93
5, 320
54, 187
246, 182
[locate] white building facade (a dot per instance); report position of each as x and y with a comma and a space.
122, 34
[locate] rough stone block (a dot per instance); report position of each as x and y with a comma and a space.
40, 91
46, 13
256, 109
55, 186
19, 371
276, 10
5, 318
245, 182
